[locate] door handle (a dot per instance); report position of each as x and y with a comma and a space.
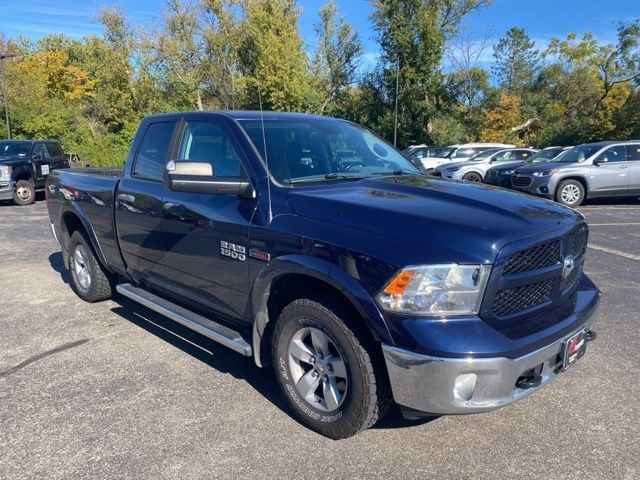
126, 198
623, 166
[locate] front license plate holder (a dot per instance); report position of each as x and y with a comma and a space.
573, 348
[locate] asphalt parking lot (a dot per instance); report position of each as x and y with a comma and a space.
113, 390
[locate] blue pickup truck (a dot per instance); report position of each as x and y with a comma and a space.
360, 282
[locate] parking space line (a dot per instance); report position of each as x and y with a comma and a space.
599, 208
614, 252
612, 224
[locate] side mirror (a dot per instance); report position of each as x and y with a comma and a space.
199, 177
36, 158
598, 161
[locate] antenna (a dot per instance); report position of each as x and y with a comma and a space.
266, 155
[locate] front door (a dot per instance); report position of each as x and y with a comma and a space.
207, 261
41, 163
633, 153
611, 174
139, 204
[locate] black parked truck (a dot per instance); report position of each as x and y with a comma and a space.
25, 166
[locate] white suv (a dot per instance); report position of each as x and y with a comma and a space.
459, 153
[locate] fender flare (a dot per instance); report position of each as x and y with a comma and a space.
321, 270
73, 208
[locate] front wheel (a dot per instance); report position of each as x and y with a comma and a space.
472, 177
90, 281
332, 378
570, 193
25, 193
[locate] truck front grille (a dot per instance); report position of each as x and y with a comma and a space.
521, 181
533, 258
577, 243
512, 300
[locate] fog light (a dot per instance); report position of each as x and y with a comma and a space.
464, 386
544, 190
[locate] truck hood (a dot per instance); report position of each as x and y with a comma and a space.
460, 221
545, 167
12, 160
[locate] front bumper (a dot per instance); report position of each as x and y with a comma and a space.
446, 386
541, 186
6, 191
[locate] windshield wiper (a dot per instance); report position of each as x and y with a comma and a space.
402, 171
327, 176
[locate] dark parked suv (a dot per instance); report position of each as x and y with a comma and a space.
602, 169
25, 166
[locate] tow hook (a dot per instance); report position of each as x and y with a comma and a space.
531, 381
591, 336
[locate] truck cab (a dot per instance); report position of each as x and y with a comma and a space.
25, 166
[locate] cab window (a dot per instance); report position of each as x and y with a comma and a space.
39, 150
614, 154
153, 152
209, 142
633, 151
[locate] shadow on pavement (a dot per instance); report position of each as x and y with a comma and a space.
55, 259
227, 361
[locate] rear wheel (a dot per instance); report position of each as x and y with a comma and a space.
332, 378
90, 281
472, 177
25, 192
570, 193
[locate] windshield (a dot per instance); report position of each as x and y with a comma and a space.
478, 157
577, 154
319, 149
446, 152
545, 155
14, 148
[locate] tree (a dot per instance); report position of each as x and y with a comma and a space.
412, 36
272, 62
516, 61
337, 56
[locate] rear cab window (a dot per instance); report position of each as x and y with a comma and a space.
154, 151
54, 149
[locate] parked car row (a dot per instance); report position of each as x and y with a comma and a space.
568, 175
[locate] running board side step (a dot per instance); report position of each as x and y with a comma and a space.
210, 329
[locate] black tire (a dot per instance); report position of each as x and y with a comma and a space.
570, 193
25, 192
472, 177
101, 284
367, 395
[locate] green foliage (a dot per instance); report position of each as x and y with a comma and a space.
209, 54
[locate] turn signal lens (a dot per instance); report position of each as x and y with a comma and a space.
399, 282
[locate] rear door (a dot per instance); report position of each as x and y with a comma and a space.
139, 202
207, 258
611, 174
633, 154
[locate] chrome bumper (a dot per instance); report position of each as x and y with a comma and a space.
457, 386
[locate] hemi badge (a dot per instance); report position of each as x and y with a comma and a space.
259, 255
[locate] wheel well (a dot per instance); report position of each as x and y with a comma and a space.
69, 224
582, 181
287, 288
24, 176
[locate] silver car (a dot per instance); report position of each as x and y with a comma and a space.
475, 169
603, 169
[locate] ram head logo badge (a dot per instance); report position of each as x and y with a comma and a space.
568, 266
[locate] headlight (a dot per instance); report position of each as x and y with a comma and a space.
548, 173
5, 173
436, 290
453, 169
508, 172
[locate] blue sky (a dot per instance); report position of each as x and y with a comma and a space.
542, 19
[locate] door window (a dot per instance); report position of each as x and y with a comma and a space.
633, 152
209, 142
54, 150
40, 150
614, 154
153, 152
523, 154
505, 156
